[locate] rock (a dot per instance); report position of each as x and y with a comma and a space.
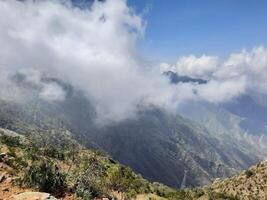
217, 180
2, 177
34, 196
9, 179
2, 155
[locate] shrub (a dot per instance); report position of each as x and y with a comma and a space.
123, 179
44, 175
17, 162
198, 192
249, 173
54, 152
10, 141
91, 183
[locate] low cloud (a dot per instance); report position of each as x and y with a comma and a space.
93, 49
197, 67
239, 73
52, 92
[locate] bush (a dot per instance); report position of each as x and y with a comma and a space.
45, 176
123, 179
83, 191
15, 161
249, 173
53, 152
214, 195
91, 183
10, 141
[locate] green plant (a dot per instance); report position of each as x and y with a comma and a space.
91, 183
249, 173
44, 175
10, 141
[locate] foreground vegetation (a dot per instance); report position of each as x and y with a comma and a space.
44, 156
57, 164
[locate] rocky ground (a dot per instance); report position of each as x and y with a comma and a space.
250, 184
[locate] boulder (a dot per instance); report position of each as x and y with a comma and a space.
33, 196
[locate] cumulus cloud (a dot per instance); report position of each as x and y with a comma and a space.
93, 49
197, 67
165, 67
250, 64
238, 74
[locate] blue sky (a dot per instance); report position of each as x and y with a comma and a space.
215, 27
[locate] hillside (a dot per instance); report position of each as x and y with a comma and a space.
248, 185
177, 145
153, 138
70, 171
58, 165
225, 127
172, 144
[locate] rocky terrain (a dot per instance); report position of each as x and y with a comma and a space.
248, 185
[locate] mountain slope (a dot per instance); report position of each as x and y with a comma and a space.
159, 145
248, 185
225, 126
85, 169
162, 147
253, 114
67, 170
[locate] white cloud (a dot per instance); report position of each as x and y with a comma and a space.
52, 92
95, 51
251, 64
238, 74
221, 91
197, 67
92, 49
164, 67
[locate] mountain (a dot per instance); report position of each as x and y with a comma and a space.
39, 166
250, 108
175, 78
161, 146
175, 145
177, 150
225, 126
252, 112
57, 164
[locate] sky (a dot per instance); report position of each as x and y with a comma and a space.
217, 27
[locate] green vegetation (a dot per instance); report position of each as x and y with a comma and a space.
249, 173
50, 164
44, 175
55, 163
10, 141
215, 195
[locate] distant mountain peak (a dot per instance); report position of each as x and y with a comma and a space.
176, 78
